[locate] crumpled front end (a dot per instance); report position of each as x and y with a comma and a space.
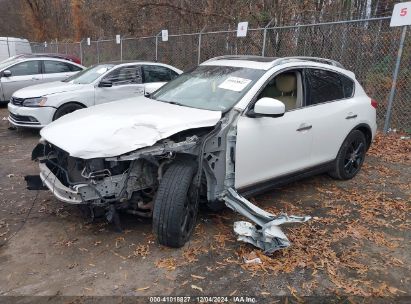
123, 180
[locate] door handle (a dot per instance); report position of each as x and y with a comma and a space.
35, 78
351, 116
304, 127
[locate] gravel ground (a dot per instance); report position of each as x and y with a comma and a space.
357, 244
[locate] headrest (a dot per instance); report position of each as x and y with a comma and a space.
286, 83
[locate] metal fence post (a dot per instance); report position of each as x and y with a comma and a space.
394, 81
121, 48
199, 46
157, 46
98, 50
8, 46
265, 36
81, 51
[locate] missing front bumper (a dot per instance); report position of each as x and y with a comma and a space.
63, 193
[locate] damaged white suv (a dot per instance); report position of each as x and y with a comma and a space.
235, 124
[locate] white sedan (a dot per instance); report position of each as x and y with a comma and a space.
37, 106
27, 70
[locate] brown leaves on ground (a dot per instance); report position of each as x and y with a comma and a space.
391, 148
167, 263
142, 250
348, 217
191, 253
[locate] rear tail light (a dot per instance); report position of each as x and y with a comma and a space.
374, 103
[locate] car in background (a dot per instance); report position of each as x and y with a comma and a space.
10, 46
22, 72
37, 106
52, 55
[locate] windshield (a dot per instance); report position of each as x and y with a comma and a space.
89, 75
9, 61
216, 88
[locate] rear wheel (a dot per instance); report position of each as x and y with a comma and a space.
350, 157
66, 109
175, 205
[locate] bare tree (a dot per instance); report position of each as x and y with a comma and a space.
74, 19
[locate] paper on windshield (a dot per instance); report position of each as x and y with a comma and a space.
236, 84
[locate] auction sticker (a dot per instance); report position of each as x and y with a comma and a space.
236, 84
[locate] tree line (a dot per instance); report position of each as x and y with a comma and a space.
72, 20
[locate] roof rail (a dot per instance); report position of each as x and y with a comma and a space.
244, 57
306, 58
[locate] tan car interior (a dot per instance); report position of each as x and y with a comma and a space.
285, 87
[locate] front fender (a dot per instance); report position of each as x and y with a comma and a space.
86, 98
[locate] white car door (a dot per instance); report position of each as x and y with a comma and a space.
23, 74
54, 70
270, 147
330, 96
120, 83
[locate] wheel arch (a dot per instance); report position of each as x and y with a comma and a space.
66, 103
366, 130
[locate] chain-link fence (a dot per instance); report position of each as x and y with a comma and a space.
367, 47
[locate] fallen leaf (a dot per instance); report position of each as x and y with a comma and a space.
196, 287
197, 277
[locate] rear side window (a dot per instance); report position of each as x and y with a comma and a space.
31, 67
155, 73
51, 67
324, 86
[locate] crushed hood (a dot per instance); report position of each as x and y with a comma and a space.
119, 127
48, 88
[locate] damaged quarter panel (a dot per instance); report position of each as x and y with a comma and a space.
113, 129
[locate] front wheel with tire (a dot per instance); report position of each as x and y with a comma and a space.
66, 109
175, 205
350, 157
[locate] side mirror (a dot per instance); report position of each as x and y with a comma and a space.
6, 73
267, 106
105, 84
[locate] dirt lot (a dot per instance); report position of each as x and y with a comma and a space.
358, 242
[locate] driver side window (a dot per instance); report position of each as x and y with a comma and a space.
124, 75
285, 87
31, 67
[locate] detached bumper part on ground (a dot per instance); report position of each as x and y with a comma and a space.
267, 235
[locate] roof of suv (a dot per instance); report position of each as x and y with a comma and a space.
265, 63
